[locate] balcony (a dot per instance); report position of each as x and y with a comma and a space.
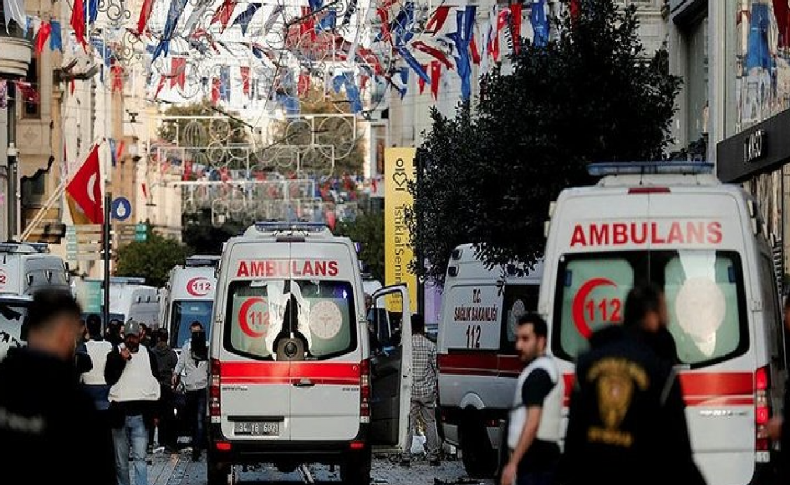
15, 49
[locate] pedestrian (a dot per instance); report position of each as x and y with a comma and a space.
533, 431
97, 349
114, 332
627, 421
423, 392
779, 427
193, 365
81, 358
145, 337
132, 372
167, 359
44, 410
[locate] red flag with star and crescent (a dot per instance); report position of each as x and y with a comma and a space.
84, 192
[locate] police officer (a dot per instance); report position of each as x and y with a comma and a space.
627, 420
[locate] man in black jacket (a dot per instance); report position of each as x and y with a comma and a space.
48, 423
133, 374
627, 421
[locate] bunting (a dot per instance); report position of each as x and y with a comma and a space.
56, 37
436, 74
245, 80
515, 26
178, 68
436, 22
465, 21
117, 78
42, 36
173, 14
78, 23
244, 19
15, 10
145, 14
540, 22
432, 51
412, 62
421, 81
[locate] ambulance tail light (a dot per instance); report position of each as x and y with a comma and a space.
364, 392
762, 413
213, 392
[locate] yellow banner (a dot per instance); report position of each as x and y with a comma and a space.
398, 172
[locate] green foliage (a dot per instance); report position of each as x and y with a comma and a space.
172, 129
592, 94
151, 259
367, 229
205, 238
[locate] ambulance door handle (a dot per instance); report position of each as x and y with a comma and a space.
304, 382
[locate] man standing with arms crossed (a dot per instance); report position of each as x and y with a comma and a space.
534, 422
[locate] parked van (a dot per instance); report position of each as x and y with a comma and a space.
131, 298
293, 379
704, 244
189, 297
478, 365
25, 267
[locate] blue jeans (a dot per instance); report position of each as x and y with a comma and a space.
196, 414
134, 432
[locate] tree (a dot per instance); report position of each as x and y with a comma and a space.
367, 229
151, 259
323, 130
203, 237
591, 94
183, 131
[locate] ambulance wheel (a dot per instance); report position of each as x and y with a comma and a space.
477, 454
356, 469
218, 473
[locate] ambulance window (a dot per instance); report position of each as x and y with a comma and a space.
517, 300
184, 313
591, 296
11, 319
320, 312
702, 290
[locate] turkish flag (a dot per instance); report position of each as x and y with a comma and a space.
84, 191
78, 22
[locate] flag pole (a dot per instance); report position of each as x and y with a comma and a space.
106, 253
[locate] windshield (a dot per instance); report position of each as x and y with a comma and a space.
12, 316
184, 313
703, 291
320, 313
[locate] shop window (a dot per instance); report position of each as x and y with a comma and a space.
32, 110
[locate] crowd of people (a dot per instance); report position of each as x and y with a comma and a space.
76, 393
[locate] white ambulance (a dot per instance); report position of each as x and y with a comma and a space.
132, 299
703, 242
13, 310
189, 297
293, 379
26, 267
476, 351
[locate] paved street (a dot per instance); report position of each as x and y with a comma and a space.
178, 469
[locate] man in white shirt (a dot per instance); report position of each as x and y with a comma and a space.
192, 370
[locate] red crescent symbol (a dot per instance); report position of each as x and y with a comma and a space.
192, 286
243, 323
578, 303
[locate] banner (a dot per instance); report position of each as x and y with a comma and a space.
398, 252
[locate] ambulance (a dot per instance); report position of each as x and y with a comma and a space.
476, 352
13, 310
704, 244
189, 297
293, 379
26, 267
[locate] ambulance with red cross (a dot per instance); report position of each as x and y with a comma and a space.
704, 244
293, 379
476, 352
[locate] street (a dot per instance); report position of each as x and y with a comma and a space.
179, 469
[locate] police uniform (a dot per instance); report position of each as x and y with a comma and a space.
627, 421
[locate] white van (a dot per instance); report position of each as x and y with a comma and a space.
25, 267
293, 378
189, 297
131, 299
476, 351
677, 226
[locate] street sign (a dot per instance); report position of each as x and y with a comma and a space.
121, 208
141, 232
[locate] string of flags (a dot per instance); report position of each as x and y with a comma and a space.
447, 45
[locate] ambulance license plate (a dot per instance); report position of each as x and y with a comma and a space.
256, 429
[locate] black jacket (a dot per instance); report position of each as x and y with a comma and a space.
627, 421
112, 373
50, 431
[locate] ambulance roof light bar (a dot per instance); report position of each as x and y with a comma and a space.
649, 168
23, 248
198, 261
314, 227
